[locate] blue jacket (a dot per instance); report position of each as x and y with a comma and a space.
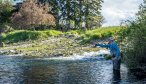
113, 47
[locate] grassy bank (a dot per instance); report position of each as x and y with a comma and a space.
101, 33
26, 35
53, 42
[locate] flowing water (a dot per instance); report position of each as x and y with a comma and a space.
87, 69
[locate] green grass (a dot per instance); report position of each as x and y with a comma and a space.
77, 32
100, 33
25, 35
52, 32
60, 45
89, 35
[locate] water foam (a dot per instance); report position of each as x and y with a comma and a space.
85, 55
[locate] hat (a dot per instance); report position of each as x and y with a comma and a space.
111, 39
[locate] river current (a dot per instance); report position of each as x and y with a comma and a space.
85, 69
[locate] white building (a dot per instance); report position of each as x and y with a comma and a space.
14, 2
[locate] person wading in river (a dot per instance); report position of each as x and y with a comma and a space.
115, 52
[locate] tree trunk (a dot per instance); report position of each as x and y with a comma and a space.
86, 15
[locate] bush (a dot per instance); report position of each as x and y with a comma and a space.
108, 57
5, 28
133, 42
32, 14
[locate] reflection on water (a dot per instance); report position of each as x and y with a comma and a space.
18, 70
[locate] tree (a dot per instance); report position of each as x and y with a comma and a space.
32, 14
5, 14
73, 13
133, 40
92, 13
56, 6
5, 11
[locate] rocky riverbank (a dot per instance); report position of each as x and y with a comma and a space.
53, 46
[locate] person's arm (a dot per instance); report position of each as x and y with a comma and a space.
103, 45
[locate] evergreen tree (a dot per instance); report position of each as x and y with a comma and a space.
73, 13
5, 11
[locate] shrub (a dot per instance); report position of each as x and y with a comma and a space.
133, 42
32, 14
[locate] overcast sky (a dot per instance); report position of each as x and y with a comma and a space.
114, 11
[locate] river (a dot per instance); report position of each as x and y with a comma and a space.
63, 70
